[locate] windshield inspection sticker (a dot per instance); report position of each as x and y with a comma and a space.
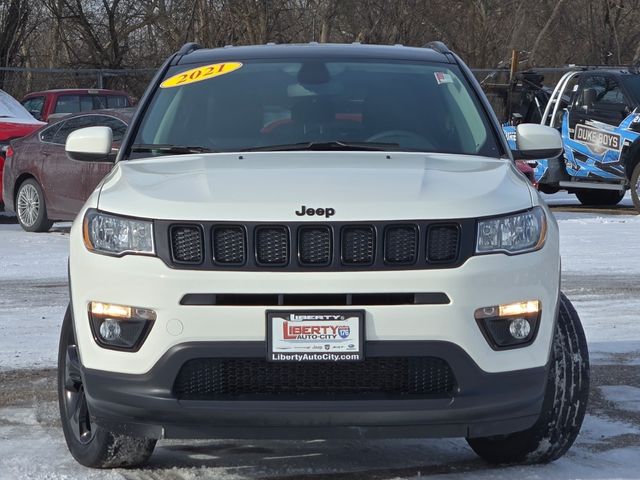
201, 73
442, 77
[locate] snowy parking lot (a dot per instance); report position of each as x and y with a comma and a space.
601, 275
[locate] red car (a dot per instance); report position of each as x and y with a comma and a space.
528, 171
42, 184
15, 122
52, 104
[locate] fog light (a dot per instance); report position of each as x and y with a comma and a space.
510, 325
120, 327
110, 330
519, 328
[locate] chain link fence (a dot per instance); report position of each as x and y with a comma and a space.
20, 81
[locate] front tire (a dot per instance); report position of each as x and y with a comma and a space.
564, 404
30, 207
635, 187
600, 198
90, 444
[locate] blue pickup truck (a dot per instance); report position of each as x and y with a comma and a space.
598, 114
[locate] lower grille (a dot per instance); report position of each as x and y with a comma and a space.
315, 299
257, 379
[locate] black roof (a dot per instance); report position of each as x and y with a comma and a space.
313, 50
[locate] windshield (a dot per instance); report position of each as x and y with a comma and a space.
314, 104
632, 82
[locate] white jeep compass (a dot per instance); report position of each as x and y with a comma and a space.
316, 241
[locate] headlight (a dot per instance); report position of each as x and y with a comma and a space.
511, 234
113, 235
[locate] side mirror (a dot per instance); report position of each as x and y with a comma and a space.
537, 142
90, 144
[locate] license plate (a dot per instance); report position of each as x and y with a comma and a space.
315, 336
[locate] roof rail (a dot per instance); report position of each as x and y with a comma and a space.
438, 46
187, 48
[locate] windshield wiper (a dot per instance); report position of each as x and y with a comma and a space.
326, 146
169, 149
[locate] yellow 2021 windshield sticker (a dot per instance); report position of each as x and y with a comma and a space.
201, 73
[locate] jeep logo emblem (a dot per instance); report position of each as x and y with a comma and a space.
320, 212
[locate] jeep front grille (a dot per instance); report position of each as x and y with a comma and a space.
272, 246
401, 244
301, 246
358, 245
442, 243
229, 245
186, 244
314, 245
258, 379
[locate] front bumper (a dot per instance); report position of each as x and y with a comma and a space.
133, 392
148, 283
482, 404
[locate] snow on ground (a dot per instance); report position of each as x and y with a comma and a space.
26, 255
33, 267
601, 276
624, 397
595, 456
594, 243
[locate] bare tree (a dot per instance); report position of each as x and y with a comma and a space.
97, 33
14, 18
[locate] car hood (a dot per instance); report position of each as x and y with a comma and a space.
272, 186
11, 131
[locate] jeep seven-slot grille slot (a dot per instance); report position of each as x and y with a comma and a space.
314, 245
186, 244
442, 243
272, 246
301, 246
358, 245
258, 379
229, 245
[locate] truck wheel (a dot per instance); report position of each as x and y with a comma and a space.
564, 404
600, 197
30, 207
635, 187
90, 444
